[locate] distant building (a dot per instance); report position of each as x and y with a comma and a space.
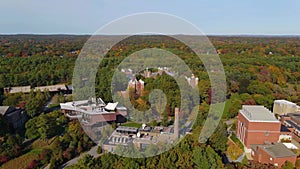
137, 85
51, 88
283, 107
276, 154
292, 122
147, 73
127, 71
257, 125
15, 117
12, 90
144, 136
93, 112
160, 71
192, 81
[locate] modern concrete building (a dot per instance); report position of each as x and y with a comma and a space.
276, 154
94, 111
283, 107
257, 125
144, 136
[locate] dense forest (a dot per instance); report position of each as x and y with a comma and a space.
258, 70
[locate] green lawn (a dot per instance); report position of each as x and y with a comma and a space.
132, 124
237, 141
22, 161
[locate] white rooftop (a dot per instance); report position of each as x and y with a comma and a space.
285, 102
258, 113
111, 106
87, 107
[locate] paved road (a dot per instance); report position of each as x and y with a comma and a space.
92, 152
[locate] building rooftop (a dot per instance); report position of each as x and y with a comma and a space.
258, 113
89, 107
3, 110
277, 150
51, 88
285, 102
111, 106
127, 129
295, 117
23, 89
293, 124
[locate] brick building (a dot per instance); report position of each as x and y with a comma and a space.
276, 154
257, 125
137, 86
292, 122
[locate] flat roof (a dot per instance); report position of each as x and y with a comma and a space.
285, 102
111, 106
51, 88
84, 106
258, 113
277, 150
127, 129
24, 89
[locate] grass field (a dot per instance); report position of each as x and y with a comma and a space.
132, 124
237, 141
22, 161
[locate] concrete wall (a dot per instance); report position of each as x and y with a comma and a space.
283, 108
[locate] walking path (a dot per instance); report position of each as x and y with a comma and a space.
92, 152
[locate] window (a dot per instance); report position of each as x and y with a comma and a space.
267, 133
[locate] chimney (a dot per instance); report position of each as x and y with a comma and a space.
176, 124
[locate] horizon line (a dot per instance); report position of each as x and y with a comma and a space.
89, 34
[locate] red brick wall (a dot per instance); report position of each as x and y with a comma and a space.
103, 117
255, 132
261, 156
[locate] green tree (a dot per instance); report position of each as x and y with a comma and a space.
219, 139
33, 105
287, 165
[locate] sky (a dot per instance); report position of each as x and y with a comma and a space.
259, 17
